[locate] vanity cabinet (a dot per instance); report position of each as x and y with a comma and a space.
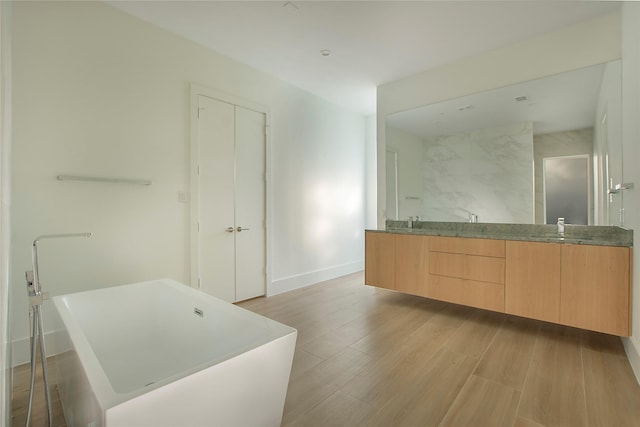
467, 271
533, 280
595, 288
585, 286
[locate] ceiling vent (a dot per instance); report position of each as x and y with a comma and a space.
290, 6
521, 98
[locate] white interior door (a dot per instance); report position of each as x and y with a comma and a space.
231, 200
250, 204
216, 136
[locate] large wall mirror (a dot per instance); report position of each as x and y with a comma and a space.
484, 154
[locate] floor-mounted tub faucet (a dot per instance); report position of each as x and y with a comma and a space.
36, 297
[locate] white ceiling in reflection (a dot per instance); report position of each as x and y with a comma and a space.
557, 103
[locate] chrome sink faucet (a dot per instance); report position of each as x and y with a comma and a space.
561, 226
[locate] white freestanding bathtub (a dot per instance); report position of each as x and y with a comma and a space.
159, 353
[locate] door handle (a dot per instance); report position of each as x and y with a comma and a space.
620, 187
230, 230
239, 229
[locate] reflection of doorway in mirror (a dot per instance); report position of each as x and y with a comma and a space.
605, 197
392, 184
566, 189
612, 201
608, 146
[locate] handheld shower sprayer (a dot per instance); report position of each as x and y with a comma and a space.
36, 298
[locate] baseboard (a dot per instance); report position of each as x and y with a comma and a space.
290, 283
632, 347
21, 348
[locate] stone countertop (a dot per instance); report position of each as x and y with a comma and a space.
574, 234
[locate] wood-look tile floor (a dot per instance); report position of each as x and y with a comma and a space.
20, 396
371, 357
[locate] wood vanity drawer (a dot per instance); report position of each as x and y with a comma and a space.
453, 245
484, 269
479, 268
489, 296
468, 246
446, 264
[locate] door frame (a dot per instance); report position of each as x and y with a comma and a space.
396, 187
197, 90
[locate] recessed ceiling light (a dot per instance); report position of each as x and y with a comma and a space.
325, 52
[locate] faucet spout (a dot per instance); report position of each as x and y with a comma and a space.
35, 277
58, 236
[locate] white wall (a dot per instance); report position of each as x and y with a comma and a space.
5, 235
370, 178
591, 42
99, 92
631, 158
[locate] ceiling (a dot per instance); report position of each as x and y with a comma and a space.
371, 42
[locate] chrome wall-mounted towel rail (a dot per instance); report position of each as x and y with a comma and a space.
114, 180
